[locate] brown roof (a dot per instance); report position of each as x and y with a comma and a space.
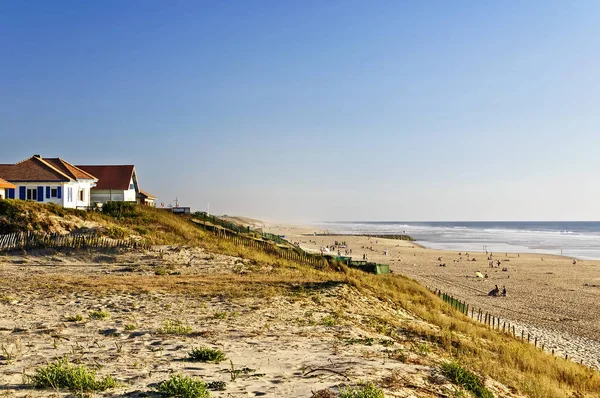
32, 169
5, 184
146, 194
69, 169
110, 177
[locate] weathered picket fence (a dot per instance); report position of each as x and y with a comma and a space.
40, 240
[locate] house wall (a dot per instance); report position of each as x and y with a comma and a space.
65, 199
3, 193
73, 201
131, 194
35, 185
115, 195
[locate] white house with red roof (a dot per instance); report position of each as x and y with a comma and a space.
49, 180
116, 183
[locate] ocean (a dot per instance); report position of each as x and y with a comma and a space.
576, 239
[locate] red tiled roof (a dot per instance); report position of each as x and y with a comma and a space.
110, 177
32, 169
146, 194
69, 169
5, 184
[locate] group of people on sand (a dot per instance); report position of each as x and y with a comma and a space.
496, 291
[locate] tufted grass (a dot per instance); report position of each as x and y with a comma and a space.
183, 387
77, 378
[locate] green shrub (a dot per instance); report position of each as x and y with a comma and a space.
466, 379
99, 314
115, 232
130, 326
365, 391
61, 374
207, 354
120, 209
183, 387
75, 318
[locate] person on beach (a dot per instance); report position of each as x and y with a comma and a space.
504, 290
494, 291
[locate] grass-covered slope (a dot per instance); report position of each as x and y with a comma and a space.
454, 336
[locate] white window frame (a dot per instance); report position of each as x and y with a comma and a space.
31, 194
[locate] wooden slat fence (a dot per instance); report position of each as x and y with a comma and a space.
39, 240
492, 321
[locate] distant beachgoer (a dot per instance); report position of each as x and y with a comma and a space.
494, 291
504, 291
574, 262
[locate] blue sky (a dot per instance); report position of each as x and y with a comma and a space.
317, 110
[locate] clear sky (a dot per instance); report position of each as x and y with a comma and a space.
317, 110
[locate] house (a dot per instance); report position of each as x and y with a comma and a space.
118, 183
145, 198
6, 189
49, 180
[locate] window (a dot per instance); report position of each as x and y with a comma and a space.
54, 193
31, 193
81, 195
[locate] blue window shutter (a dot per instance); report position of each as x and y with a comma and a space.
40, 195
47, 192
59, 192
22, 193
11, 193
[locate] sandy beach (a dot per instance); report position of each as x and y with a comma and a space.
549, 297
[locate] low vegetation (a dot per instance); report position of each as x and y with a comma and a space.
99, 314
183, 387
175, 327
75, 318
365, 391
206, 354
466, 379
76, 378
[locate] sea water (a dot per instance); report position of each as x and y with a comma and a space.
574, 239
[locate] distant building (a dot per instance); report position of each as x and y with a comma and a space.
48, 180
145, 198
6, 189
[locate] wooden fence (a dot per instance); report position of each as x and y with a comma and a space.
36, 240
492, 321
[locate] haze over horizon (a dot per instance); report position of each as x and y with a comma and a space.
353, 110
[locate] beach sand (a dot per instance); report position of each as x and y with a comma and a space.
548, 297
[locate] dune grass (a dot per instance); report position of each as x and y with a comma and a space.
75, 378
183, 387
206, 354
